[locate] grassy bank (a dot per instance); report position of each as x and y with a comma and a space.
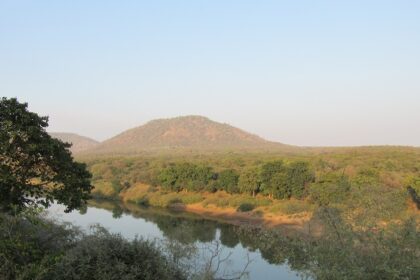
236, 208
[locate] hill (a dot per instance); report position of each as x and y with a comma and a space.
183, 133
79, 143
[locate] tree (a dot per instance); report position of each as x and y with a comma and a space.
228, 181
168, 178
186, 176
36, 169
299, 175
271, 177
330, 188
249, 181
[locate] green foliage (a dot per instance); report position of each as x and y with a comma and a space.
109, 256
298, 177
273, 179
345, 252
116, 186
331, 188
250, 181
342, 251
228, 180
32, 247
245, 207
371, 204
284, 181
35, 168
368, 170
414, 182
186, 176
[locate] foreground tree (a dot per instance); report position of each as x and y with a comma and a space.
36, 169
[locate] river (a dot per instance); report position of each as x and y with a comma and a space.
162, 224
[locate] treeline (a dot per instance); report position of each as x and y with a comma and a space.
274, 179
349, 179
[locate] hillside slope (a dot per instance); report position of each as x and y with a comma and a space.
185, 133
79, 143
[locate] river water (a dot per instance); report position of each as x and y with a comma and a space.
155, 223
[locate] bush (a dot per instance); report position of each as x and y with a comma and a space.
245, 207
109, 256
143, 201
35, 248
332, 188
29, 244
105, 189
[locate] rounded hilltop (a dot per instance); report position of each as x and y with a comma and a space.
185, 133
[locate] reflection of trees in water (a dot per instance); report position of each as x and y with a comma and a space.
343, 251
275, 247
186, 230
228, 235
117, 212
340, 252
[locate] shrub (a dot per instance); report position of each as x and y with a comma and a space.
143, 201
36, 248
103, 255
245, 207
330, 189
28, 245
104, 189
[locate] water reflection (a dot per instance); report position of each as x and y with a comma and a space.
340, 252
131, 220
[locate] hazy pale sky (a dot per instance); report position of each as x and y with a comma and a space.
299, 72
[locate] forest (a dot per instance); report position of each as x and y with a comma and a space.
371, 178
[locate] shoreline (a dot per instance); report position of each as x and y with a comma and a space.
231, 216
301, 223
205, 205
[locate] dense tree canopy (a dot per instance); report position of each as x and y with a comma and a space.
272, 174
36, 169
228, 180
275, 179
186, 176
250, 181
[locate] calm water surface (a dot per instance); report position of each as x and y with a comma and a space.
151, 223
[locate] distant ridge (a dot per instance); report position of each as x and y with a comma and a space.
185, 133
79, 143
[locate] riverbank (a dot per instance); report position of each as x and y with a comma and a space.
253, 218
237, 209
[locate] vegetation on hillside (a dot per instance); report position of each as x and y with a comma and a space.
189, 133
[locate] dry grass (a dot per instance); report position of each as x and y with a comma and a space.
290, 207
135, 193
104, 189
144, 194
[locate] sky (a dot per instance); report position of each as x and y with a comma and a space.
310, 73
